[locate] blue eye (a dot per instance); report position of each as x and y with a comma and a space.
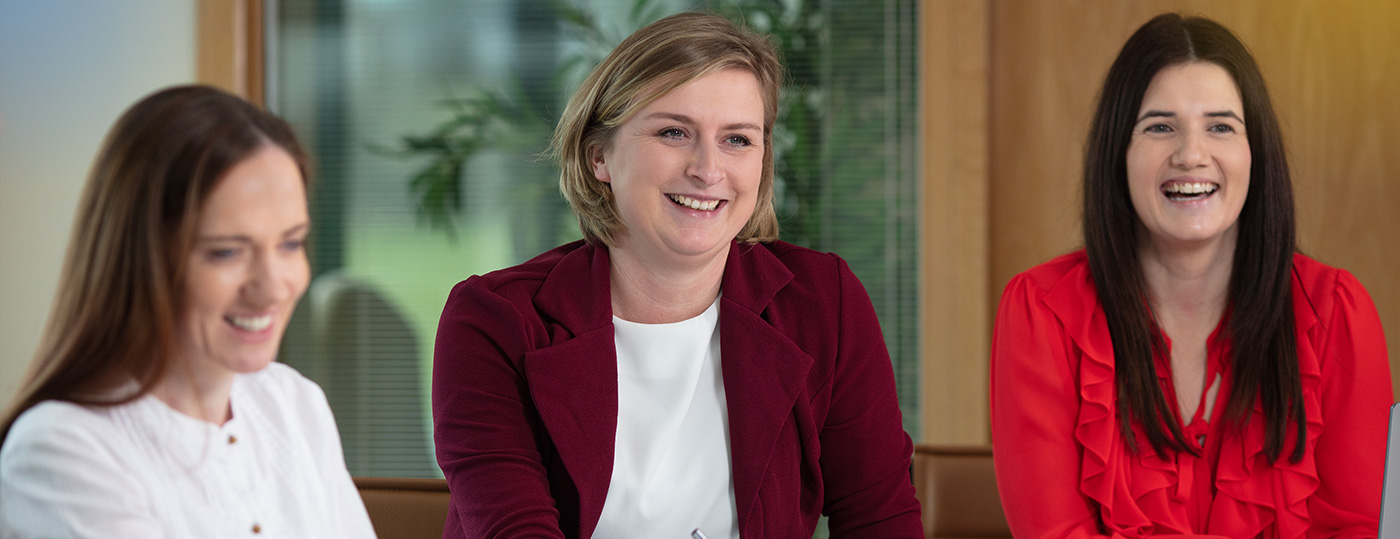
672, 132
1222, 128
295, 245
738, 140
221, 254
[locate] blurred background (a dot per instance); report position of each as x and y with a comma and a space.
936, 145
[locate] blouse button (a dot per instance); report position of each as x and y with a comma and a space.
232, 439
257, 528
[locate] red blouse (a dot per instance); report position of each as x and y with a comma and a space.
1064, 470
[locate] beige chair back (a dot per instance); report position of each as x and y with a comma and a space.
957, 489
405, 508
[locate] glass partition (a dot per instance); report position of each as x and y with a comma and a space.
427, 117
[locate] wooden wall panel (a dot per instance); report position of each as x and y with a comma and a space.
1333, 70
1336, 85
230, 46
1007, 92
955, 315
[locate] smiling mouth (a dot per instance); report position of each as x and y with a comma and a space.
250, 323
1185, 191
699, 205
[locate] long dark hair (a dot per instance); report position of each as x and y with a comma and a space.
1260, 325
118, 302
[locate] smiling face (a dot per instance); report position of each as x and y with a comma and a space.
247, 267
685, 169
1189, 158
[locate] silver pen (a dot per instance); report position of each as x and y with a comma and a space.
697, 534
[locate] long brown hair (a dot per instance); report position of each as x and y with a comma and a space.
119, 295
1260, 325
651, 62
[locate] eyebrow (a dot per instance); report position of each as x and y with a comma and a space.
246, 239
1225, 114
1166, 114
688, 120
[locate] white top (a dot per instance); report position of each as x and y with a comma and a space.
672, 470
144, 470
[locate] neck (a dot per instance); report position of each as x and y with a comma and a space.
1188, 284
203, 396
651, 293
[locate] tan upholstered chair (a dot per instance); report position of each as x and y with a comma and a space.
955, 485
957, 488
405, 508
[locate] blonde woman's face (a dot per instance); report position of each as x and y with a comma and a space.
248, 267
685, 169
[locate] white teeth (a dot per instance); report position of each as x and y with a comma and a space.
694, 204
254, 323
1190, 188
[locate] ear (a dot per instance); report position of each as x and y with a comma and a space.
600, 168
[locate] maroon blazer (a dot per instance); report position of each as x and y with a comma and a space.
525, 398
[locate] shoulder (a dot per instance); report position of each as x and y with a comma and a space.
528, 277
785, 276
795, 255
56, 422
68, 470
566, 268
1064, 283
58, 438
1066, 269
805, 264
1321, 290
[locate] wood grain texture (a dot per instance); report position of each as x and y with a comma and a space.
230, 46
1007, 92
1333, 71
955, 315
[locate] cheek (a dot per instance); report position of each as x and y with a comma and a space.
1241, 161
750, 172
206, 294
1144, 162
299, 276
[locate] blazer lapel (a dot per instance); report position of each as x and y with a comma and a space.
763, 370
573, 381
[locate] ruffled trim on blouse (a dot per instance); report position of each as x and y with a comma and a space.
1135, 493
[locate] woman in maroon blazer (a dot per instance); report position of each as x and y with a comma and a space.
680, 368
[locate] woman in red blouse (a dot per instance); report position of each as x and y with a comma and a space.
1188, 373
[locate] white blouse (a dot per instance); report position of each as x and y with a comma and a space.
671, 463
144, 470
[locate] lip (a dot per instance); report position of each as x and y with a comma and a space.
696, 200
1212, 186
269, 322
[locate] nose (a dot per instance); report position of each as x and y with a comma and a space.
1191, 151
705, 165
273, 278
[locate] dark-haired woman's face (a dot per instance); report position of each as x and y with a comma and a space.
1188, 161
248, 266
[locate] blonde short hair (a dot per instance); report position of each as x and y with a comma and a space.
651, 62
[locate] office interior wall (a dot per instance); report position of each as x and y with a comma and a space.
1008, 92
1333, 71
67, 70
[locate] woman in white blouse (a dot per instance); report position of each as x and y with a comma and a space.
153, 407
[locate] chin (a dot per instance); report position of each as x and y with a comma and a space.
251, 362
